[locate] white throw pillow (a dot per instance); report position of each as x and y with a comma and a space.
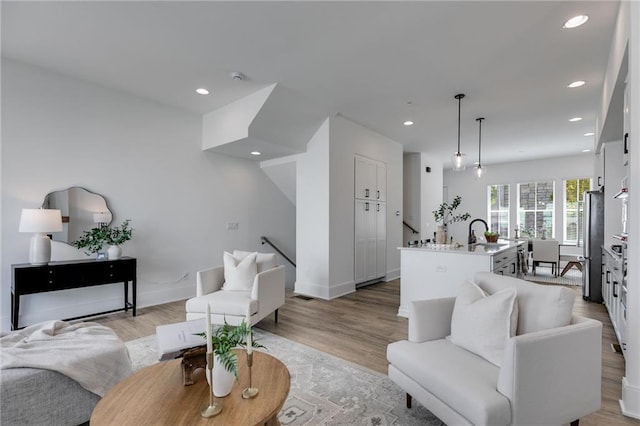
483, 323
264, 260
239, 273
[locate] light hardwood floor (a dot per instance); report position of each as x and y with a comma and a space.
358, 328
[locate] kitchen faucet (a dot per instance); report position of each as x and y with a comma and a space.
486, 227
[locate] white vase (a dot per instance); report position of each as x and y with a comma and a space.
441, 234
114, 252
222, 379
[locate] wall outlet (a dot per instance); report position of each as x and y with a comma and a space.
441, 268
233, 226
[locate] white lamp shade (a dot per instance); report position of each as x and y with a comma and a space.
480, 171
102, 217
458, 161
40, 220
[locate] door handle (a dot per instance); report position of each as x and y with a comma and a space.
366, 193
614, 289
626, 144
366, 207
378, 195
378, 207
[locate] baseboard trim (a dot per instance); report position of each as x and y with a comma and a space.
630, 402
392, 275
324, 292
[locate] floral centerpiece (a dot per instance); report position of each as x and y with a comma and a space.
445, 214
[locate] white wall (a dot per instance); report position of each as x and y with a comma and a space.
147, 160
325, 203
422, 194
474, 192
312, 216
431, 193
348, 139
631, 382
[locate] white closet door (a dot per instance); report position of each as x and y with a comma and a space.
381, 182
360, 267
365, 179
381, 239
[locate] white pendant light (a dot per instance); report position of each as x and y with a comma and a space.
458, 158
479, 170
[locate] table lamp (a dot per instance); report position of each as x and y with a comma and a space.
102, 218
40, 222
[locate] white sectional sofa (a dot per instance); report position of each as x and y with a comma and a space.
548, 372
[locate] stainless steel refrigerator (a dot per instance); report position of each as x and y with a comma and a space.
593, 241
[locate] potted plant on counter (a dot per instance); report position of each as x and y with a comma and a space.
444, 215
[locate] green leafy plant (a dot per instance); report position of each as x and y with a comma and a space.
445, 213
491, 237
120, 234
94, 239
227, 337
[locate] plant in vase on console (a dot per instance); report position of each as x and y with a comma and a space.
94, 239
445, 214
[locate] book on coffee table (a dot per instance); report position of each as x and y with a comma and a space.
175, 339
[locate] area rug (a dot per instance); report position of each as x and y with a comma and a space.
544, 276
325, 390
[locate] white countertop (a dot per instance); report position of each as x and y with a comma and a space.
483, 249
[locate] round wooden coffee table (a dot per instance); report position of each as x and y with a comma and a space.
156, 395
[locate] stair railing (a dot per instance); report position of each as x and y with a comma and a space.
264, 240
410, 227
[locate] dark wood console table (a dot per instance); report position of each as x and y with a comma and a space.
55, 276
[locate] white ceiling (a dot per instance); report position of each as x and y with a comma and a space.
376, 63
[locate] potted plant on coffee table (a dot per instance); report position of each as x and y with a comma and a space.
224, 339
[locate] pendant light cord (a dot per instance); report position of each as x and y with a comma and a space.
459, 98
479, 120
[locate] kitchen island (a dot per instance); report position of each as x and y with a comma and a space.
437, 270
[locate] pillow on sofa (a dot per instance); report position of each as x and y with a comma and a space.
239, 273
483, 323
540, 307
264, 260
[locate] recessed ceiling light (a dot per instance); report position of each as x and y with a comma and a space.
577, 84
255, 153
586, 150
576, 21
202, 91
589, 134
575, 119
408, 123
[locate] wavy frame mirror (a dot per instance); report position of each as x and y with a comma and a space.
81, 210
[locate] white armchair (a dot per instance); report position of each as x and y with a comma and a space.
550, 374
546, 251
265, 296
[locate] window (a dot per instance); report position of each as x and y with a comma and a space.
498, 202
535, 209
574, 208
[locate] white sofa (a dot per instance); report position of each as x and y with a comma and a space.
266, 295
550, 373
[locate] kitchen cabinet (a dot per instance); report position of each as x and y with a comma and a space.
370, 179
370, 220
614, 292
626, 141
436, 270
